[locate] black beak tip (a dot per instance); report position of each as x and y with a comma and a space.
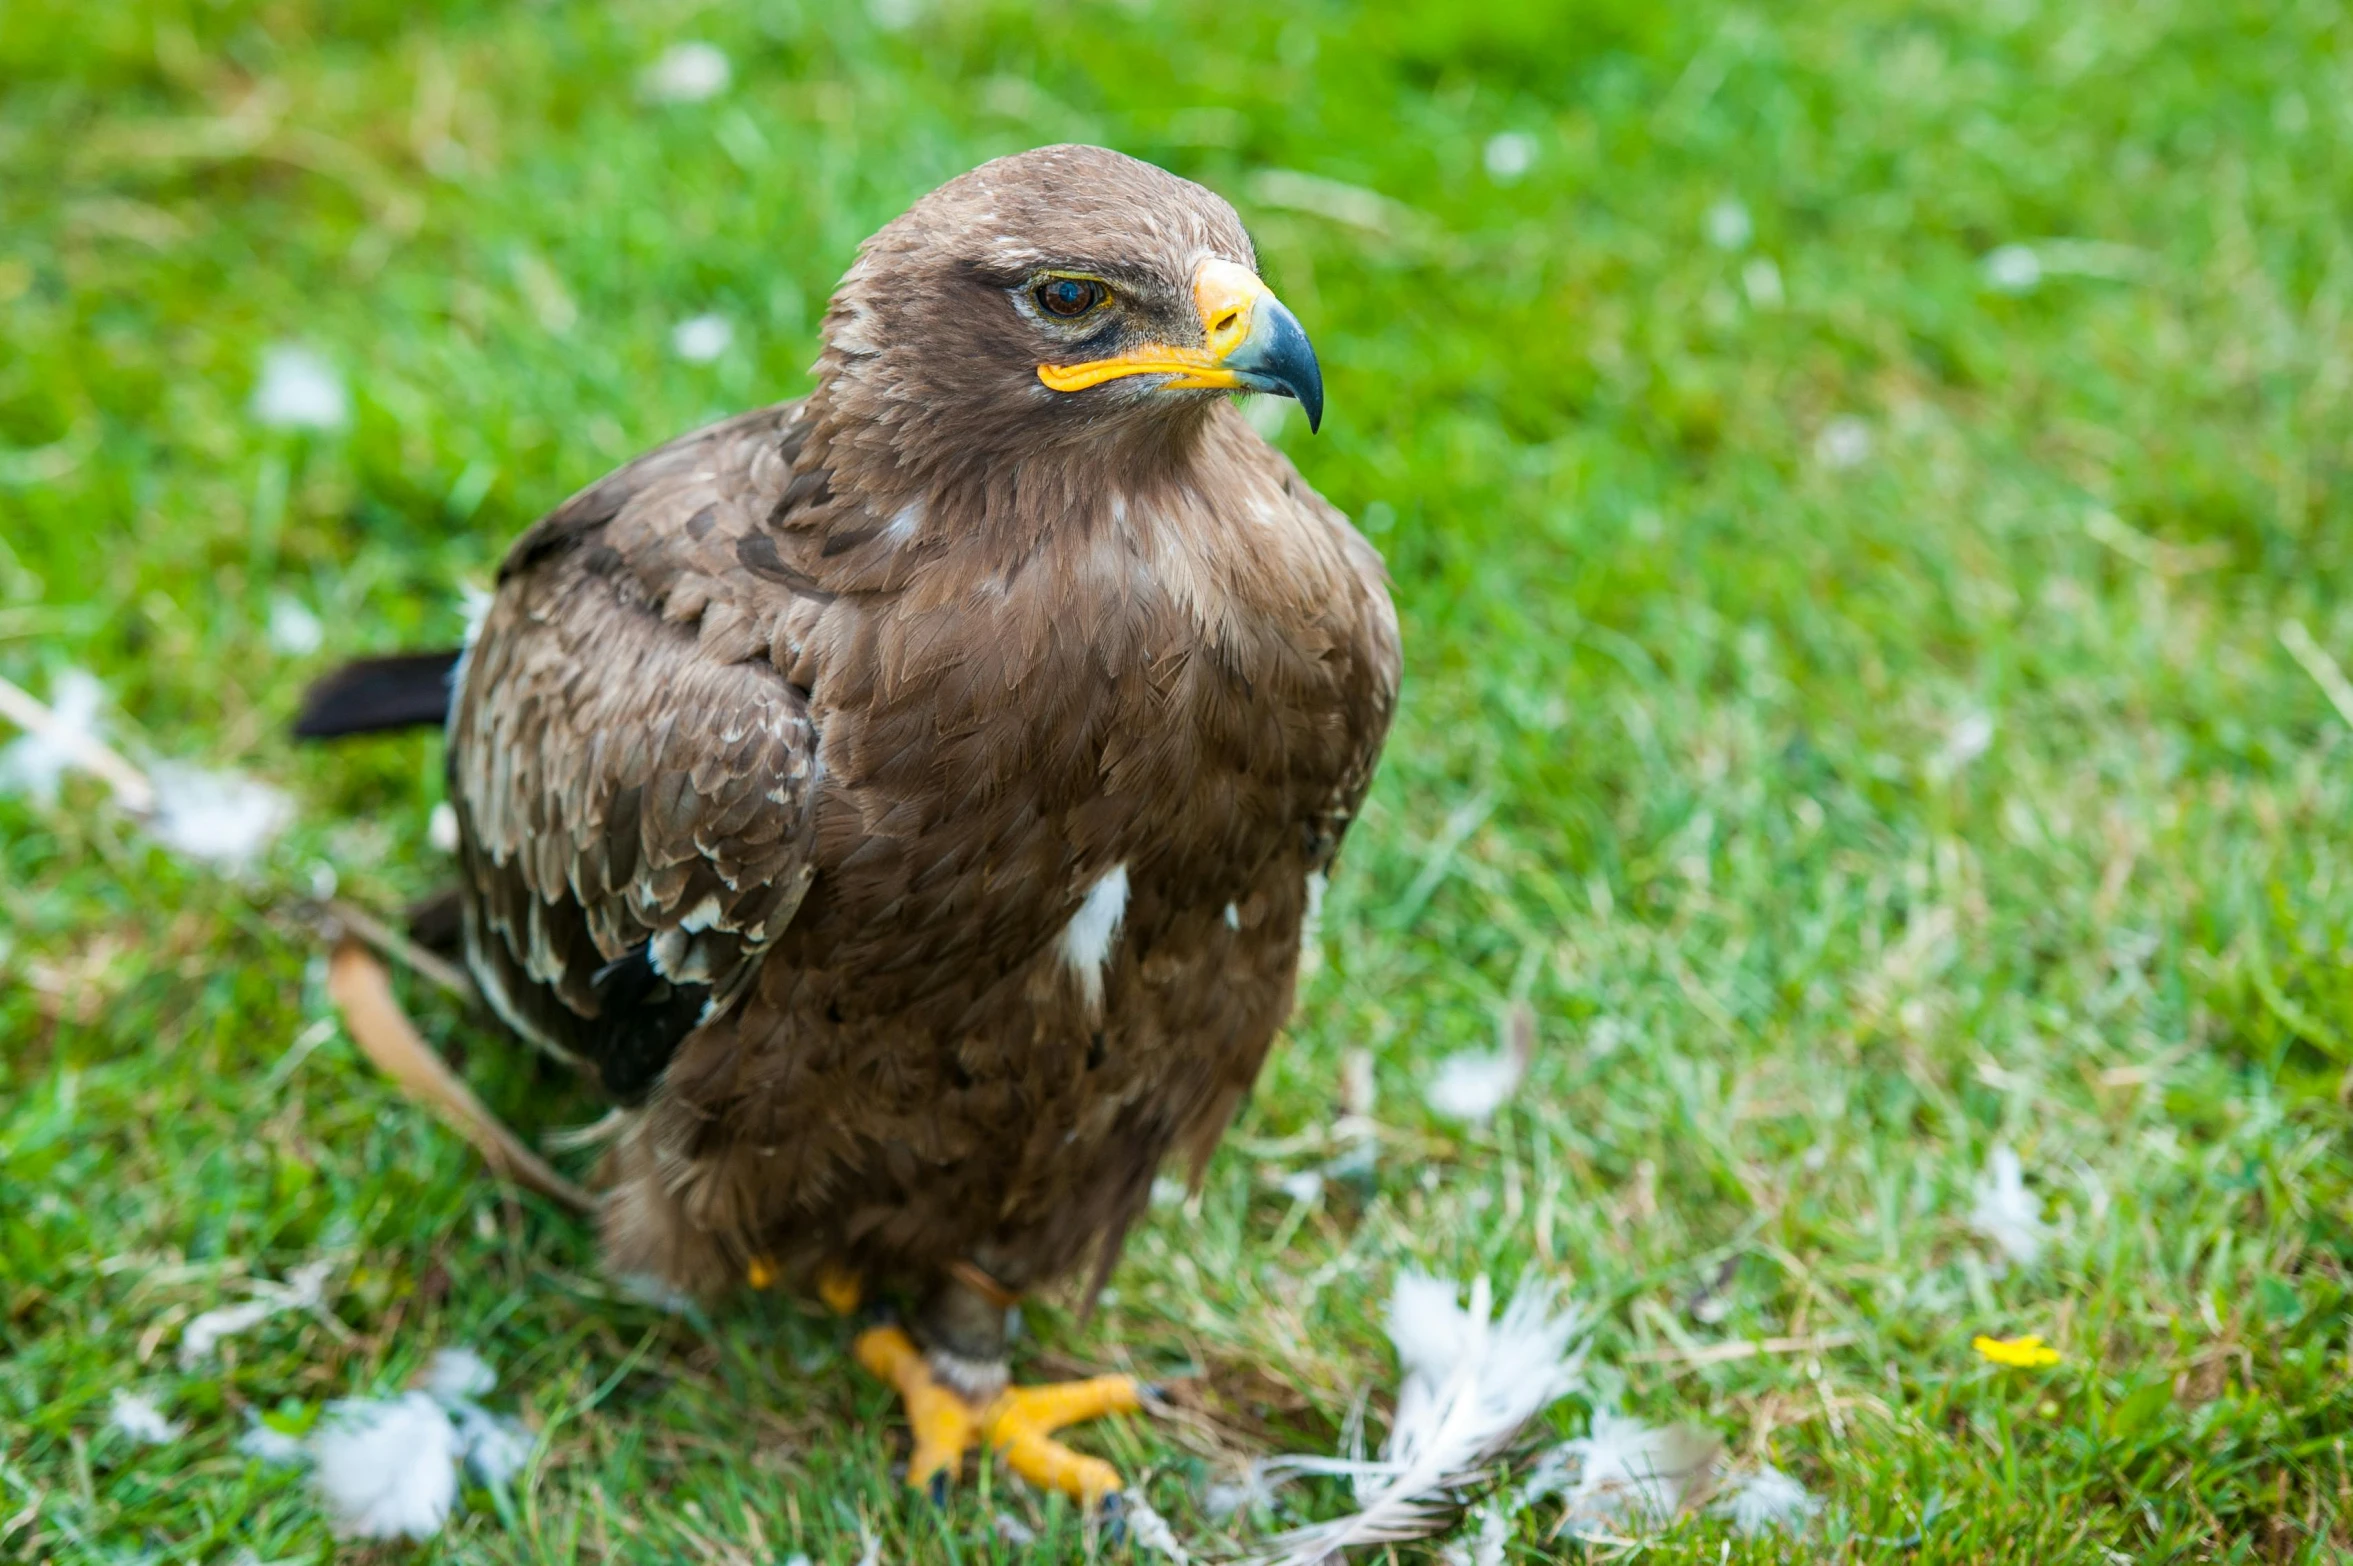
1280, 359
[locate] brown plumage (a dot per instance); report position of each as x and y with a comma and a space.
906, 801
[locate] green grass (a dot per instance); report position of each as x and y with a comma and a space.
1675, 764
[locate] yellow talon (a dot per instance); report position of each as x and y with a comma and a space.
839, 1288
1019, 1424
944, 1423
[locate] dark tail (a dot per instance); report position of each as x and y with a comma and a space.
374, 695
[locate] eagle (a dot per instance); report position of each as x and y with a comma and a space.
907, 803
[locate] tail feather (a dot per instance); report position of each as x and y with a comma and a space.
374, 695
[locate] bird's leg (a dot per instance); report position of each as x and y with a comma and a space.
956, 1396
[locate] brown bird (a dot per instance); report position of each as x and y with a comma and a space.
906, 802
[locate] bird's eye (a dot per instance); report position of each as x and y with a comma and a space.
1070, 296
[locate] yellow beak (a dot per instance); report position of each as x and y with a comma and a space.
1249, 342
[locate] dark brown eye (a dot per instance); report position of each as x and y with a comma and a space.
1070, 296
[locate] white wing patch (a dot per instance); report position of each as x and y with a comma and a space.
1088, 938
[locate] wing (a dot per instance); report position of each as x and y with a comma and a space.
635, 805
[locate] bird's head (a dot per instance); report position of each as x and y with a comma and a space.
1055, 297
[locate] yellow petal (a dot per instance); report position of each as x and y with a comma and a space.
2027, 1353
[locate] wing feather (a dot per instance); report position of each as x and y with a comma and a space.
634, 793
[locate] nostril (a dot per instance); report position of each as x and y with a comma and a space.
1225, 322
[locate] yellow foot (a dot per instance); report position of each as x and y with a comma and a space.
945, 1425
1018, 1424
840, 1288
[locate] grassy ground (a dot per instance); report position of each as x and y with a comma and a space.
1847, 704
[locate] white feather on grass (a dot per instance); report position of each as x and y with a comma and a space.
1625, 1476
269, 1446
300, 390
35, 763
1151, 1531
494, 1446
387, 1468
1485, 1546
1765, 1501
457, 1375
2007, 1213
304, 1289
1474, 1084
135, 1416
222, 819
1242, 1496
1472, 1381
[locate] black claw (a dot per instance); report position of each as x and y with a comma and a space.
1111, 1512
938, 1488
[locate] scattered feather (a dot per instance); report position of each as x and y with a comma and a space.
1474, 1084
2007, 1213
1013, 1530
35, 763
293, 629
1485, 1547
1845, 442
387, 1468
1151, 1531
135, 1416
2013, 269
1509, 155
701, 338
1625, 1475
304, 1289
223, 819
1239, 1497
871, 1553
1471, 1382
441, 828
688, 73
456, 1375
1766, 1501
271, 1447
299, 390
1970, 737
494, 1447
1302, 1186
1729, 226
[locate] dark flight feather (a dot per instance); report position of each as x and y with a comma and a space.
378, 695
